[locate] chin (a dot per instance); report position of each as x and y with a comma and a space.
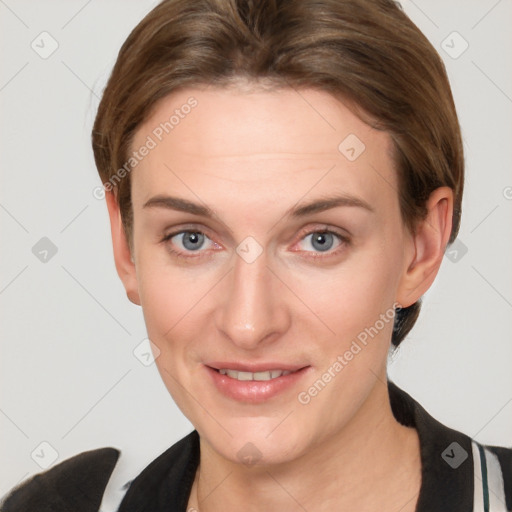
257, 443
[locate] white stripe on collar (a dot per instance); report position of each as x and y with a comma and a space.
478, 494
490, 487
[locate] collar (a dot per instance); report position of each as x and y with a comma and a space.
446, 457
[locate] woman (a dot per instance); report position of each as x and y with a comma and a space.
282, 180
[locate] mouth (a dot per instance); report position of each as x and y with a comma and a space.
246, 383
259, 376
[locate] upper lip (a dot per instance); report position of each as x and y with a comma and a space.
255, 367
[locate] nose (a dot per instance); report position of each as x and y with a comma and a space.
251, 308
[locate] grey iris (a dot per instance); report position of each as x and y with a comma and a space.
192, 240
322, 241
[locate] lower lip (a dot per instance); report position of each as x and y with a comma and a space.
255, 391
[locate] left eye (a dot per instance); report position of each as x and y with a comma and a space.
189, 240
322, 241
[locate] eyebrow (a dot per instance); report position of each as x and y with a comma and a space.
176, 203
327, 203
316, 206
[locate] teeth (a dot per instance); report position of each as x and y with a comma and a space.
268, 375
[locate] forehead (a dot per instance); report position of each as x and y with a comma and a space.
260, 144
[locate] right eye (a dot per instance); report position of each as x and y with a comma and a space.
188, 241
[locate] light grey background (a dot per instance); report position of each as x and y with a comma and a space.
69, 377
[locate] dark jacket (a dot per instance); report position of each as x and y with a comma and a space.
458, 474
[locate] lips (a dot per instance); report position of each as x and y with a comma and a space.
255, 367
264, 375
254, 383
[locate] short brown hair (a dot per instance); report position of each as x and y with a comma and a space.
365, 51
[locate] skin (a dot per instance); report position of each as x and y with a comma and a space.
252, 155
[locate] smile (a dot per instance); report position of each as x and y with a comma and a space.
257, 386
265, 375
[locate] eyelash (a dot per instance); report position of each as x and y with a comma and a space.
318, 255
344, 240
178, 254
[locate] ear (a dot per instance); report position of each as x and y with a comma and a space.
122, 255
427, 246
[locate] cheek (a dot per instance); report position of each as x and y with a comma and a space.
356, 304
159, 302
164, 301
351, 298
168, 310
174, 304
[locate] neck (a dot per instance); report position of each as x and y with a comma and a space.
373, 463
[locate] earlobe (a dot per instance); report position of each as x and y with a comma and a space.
123, 257
429, 244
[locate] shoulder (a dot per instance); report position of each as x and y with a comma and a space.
75, 484
98, 480
458, 472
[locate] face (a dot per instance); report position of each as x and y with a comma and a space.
267, 236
